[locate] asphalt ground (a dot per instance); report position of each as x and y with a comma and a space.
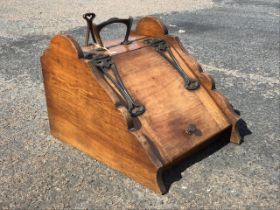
237, 42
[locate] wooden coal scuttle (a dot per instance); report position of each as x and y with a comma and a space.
138, 104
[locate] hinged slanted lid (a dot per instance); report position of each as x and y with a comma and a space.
179, 113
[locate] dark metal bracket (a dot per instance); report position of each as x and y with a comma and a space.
163, 48
105, 64
95, 29
127, 22
90, 28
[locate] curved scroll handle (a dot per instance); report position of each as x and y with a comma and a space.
90, 28
127, 22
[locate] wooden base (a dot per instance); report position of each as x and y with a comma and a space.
87, 113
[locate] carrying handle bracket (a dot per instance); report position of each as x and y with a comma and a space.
95, 29
90, 27
127, 22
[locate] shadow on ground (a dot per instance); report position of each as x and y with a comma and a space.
173, 174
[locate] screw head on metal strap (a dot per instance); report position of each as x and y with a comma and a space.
191, 129
137, 110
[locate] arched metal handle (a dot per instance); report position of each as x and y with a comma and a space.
95, 29
127, 22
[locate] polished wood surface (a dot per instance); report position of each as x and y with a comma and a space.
208, 82
170, 108
83, 114
86, 111
150, 26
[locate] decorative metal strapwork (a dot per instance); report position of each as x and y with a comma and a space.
105, 64
163, 48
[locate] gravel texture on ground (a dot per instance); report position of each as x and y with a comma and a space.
237, 42
47, 17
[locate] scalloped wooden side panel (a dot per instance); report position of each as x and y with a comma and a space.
150, 26
82, 114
